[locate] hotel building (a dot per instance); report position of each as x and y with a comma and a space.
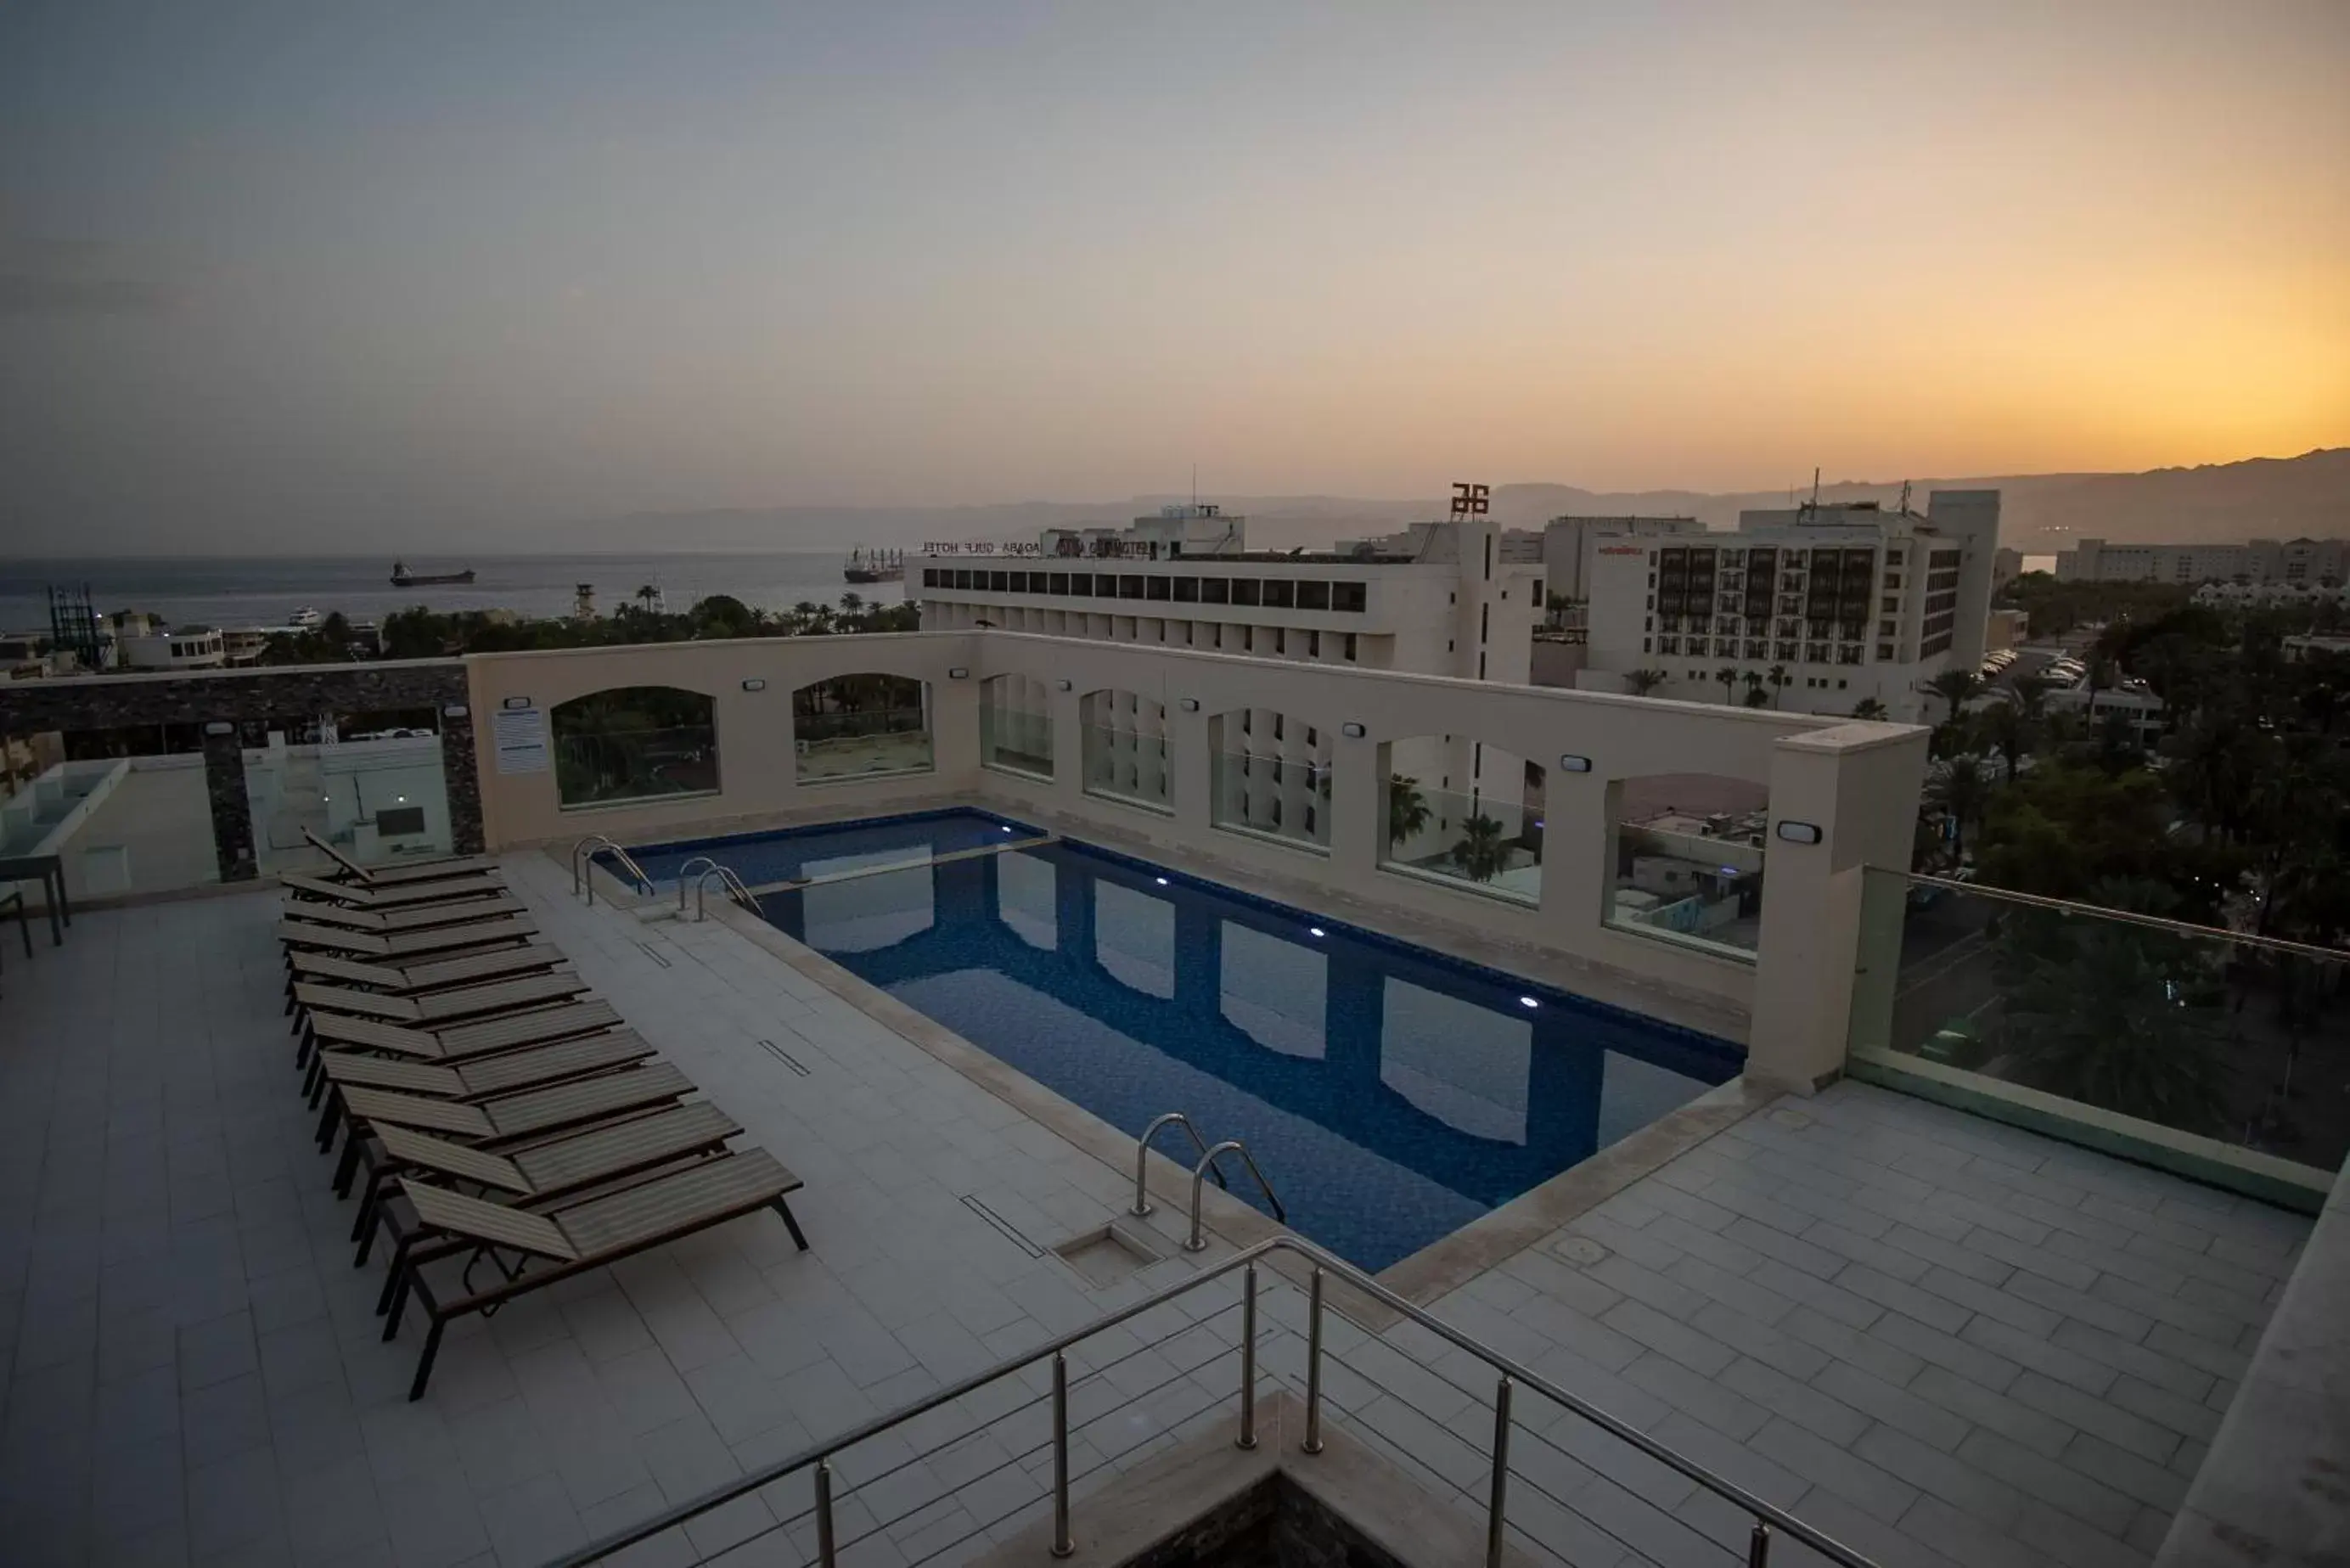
1817, 607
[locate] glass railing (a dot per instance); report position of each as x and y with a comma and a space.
635, 765
378, 801
1128, 765
1481, 841
1016, 741
850, 745
114, 827
1698, 888
2213, 1033
1281, 797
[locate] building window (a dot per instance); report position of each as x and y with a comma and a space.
1884, 650
1215, 590
1313, 645
1280, 592
1281, 641
1187, 590
1248, 640
1891, 606
1350, 648
1158, 588
1351, 597
1313, 596
1105, 586
1244, 590
929, 577
1485, 622
1129, 588
999, 582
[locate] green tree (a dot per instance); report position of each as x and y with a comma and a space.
1956, 688
1407, 809
1780, 680
1640, 682
1482, 853
1868, 707
1961, 793
1728, 676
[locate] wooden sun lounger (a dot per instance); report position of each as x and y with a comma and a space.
509, 1072
504, 1119
506, 1032
431, 1009
439, 869
414, 978
532, 1175
410, 917
565, 1241
396, 947
318, 890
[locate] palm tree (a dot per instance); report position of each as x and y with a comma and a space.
1868, 707
1728, 676
1956, 686
1756, 697
1780, 680
1640, 682
852, 603
1482, 853
646, 594
1407, 809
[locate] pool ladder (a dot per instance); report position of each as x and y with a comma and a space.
729, 883
1209, 1154
587, 878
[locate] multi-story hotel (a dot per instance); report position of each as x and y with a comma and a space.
1438, 599
2315, 562
1817, 609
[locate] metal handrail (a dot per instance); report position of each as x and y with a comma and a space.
589, 880
1768, 1516
686, 871
1143, 1209
728, 883
2128, 917
1197, 1241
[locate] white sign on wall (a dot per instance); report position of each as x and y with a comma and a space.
520, 735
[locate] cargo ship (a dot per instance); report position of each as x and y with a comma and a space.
875, 567
402, 577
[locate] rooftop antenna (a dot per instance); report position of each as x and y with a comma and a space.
1195, 487
1905, 498
1816, 488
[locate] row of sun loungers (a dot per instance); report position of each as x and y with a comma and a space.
502, 1128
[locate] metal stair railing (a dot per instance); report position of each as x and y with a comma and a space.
1198, 1239
729, 883
1769, 1519
587, 878
1143, 1209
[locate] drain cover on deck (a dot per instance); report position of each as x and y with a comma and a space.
1582, 1251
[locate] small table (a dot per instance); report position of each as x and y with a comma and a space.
49, 870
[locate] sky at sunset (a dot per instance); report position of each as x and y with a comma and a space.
293, 273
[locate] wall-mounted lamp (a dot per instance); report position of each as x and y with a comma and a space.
1571, 763
958, 674
454, 710
1352, 731
1189, 704
513, 702
755, 684
220, 727
1799, 832
1066, 685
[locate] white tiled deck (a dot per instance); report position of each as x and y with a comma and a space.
1944, 1340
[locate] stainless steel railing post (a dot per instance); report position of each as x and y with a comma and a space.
1062, 1543
1758, 1546
1248, 1359
1494, 1532
1313, 1443
825, 1553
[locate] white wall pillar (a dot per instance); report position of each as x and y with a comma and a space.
1858, 785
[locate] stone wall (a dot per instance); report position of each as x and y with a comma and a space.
282, 696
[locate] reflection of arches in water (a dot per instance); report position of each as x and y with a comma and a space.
1274, 991
1026, 894
864, 914
1463, 1064
1134, 939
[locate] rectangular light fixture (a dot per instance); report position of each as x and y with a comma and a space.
454, 710
1352, 731
1189, 704
755, 684
220, 727
512, 702
1571, 764
1799, 832
959, 672
1066, 685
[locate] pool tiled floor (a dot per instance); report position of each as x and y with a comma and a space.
1942, 1340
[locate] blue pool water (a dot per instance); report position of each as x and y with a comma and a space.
1391, 1095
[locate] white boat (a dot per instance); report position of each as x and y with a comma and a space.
304, 617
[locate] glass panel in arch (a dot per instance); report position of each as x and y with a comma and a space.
853, 725
1270, 774
1125, 746
1688, 852
1015, 724
632, 743
1464, 812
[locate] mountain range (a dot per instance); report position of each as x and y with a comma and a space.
2219, 503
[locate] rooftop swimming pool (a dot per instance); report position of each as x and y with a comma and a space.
1391, 1095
